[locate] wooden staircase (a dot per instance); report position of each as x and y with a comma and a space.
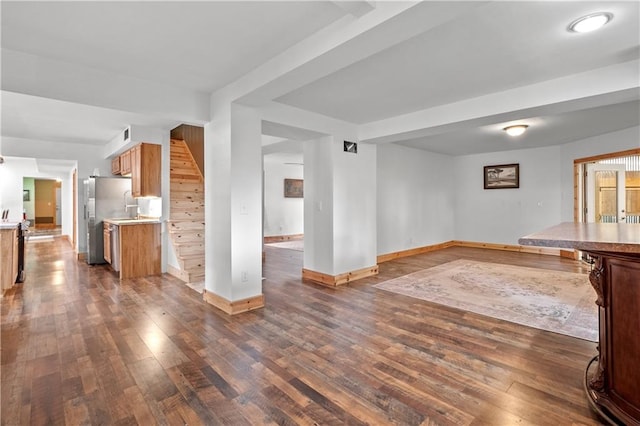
186, 218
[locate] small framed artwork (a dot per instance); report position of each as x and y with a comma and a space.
502, 176
293, 188
26, 195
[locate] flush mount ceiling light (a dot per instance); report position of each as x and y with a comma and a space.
590, 22
516, 130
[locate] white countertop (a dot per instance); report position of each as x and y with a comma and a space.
127, 221
9, 225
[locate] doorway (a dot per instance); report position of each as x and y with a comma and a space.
42, 205
608, 188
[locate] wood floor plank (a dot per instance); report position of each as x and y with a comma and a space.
150, 351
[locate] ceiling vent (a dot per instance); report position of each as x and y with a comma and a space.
351, 147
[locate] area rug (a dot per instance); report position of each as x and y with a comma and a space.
561, 302
291, 245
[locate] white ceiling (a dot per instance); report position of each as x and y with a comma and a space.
197, 45
474, 49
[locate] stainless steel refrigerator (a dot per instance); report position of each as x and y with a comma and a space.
105, 198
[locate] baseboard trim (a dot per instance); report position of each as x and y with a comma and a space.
340, 279
281, 238
509, 247
235, 307
412, 252
490, 246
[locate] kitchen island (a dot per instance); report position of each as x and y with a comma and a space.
8, 254
612, 379
135, 250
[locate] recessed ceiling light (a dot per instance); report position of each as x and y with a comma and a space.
590, 22
515, 130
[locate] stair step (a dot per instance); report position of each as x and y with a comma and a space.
186, 187
180, 156
185, 237
186, 203
184, 250
181, 163
195, 216
175, 177
196, 278
184, 171
185, 225
187, 207
186, 197
190, 262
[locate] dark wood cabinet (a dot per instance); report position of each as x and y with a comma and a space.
613, 381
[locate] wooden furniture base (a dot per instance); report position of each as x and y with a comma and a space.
613, 386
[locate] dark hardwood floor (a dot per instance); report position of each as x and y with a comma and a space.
80, 347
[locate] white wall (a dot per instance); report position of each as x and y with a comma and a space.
354, 206
318, 205
426, 198
415, 198
88, 158
282, 216
12, 174
502, 216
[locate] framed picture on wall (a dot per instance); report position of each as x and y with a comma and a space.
502, 176
293, 188
26, 195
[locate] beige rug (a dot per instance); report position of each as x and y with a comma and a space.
561, 302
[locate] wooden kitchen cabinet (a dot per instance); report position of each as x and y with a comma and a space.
140, 250
8, 257
125, 163
146, 168
115, 166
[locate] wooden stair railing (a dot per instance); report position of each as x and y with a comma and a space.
186, 218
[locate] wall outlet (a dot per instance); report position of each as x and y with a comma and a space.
243, 276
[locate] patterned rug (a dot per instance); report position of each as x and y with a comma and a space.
561, 302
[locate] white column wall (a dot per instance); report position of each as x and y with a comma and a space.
233, 191
246, 202
340, 206
318, 205
354, 207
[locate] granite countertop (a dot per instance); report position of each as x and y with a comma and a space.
9, 225
607, 237
130, 221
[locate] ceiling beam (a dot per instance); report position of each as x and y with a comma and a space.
339, 45
603, 86
356, 8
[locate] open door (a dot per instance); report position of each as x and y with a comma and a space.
605, 193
